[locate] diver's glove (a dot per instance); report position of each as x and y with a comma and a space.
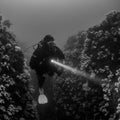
42, 99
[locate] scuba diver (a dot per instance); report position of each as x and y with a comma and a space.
41, 59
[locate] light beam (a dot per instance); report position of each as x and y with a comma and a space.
77, 72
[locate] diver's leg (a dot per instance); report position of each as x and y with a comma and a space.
41, 80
